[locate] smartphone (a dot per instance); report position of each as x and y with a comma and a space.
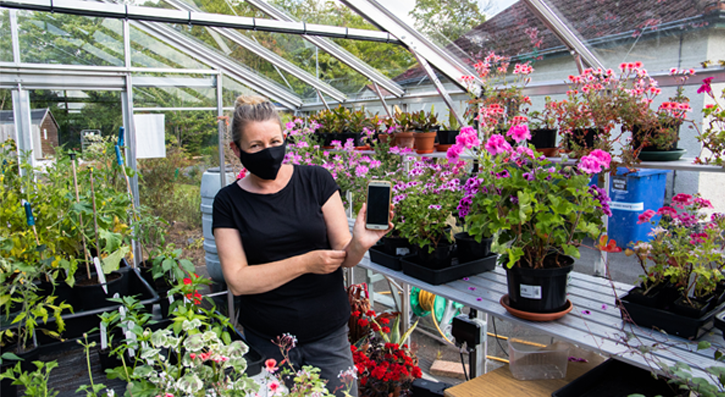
378, 208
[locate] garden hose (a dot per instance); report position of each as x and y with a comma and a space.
426, 301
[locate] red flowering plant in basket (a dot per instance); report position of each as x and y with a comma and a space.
384, 365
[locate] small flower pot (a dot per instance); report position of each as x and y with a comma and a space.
397, 246
404, 139
89, 294
385, 138
539, 290
447, 137
698, 308
543, 138
584, 137
442, 148
424, 142
637, 295
639, 135
440, 258
469, 249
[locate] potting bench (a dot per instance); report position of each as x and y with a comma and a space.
594, 323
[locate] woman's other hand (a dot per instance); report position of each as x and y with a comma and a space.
325, 261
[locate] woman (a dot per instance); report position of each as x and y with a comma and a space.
282, 237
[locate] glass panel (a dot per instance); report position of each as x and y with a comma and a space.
69, 39
149, 52
78, 110
660, 34
231, 89
6, 45
165, 96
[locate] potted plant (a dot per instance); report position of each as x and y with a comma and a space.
448, 132
425, 125
542, 125
652, 130
359, 126
538, 213
685, 275
386, 131
404, 135
500, 103
385, 366
425, 205
34, 382
712, 136
326, 123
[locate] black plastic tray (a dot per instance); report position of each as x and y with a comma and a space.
672, 323
720, 322
453, 272
614, 378
382, 258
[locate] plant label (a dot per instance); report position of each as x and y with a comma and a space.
104, 337
530, 291
402, 251
100, 275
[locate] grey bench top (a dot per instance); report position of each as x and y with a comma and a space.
594, 323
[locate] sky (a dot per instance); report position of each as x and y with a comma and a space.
401, 8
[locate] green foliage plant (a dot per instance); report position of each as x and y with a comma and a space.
35, 382
686, 248
712, 135
426, 202
532, 207
424, 121
168, 263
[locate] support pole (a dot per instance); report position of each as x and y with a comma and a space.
222, 129
130, 149
322, 98
14, 35
382, 99
23, 128
600, 266
439, 86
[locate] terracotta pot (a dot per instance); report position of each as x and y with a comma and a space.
385, 138
443, 148
404, 139
549, 152
424, 142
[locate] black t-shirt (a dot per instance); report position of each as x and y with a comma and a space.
279, 226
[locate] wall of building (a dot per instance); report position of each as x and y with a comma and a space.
48, 136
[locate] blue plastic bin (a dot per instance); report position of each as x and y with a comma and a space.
632, 194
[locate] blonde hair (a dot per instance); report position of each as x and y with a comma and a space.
252, 108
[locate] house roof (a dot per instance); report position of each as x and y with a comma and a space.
36, 115
510, 32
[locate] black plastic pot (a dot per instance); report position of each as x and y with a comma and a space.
447, 137
668, 295
469, 249
720, 322
616, 378
107, 360
583, 137
701, 306
440, 258
343, 137
398, 246
538, 290
652, 298
89, 297
639, 135
455, 271
668, 321
543, 138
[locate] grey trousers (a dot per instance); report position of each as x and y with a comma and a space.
330, 354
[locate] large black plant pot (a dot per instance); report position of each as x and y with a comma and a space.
469, 249
543, 138
89, 295
539, 290
447, 137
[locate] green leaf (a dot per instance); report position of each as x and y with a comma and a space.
703, 345
112, 262
571, 250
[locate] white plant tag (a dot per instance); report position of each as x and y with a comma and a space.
171, 299
402, 251
530, 291
131, 337
100, 275
693, 278
104, 337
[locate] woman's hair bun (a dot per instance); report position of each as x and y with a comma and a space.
250, 100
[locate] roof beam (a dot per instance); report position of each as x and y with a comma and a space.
228, 65
335, 50
267, 55
381, 17
153, 14
552, 21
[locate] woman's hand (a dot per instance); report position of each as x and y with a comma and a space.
324, 261
364, 237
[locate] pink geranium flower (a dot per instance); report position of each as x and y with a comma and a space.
682, 199
497, 145
706, 86
519, 133
589, 165
270, 365
645, 217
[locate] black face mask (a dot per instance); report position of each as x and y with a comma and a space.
264, 163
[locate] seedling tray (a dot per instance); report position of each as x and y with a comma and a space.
453, 272
614, 378
672, 323
382, 258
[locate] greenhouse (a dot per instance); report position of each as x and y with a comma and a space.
362, 198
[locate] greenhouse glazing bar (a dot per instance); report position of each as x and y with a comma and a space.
267, 55
139, 13
336, 51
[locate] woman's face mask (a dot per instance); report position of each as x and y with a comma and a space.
265, 163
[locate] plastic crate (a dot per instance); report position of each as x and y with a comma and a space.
538, 357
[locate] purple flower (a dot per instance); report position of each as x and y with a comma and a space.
472, 288
361, 171
465, 278
528, 176
479, 299
434, 207
587, 312
604, 307
514, 199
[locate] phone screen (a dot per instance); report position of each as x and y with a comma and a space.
378, 205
